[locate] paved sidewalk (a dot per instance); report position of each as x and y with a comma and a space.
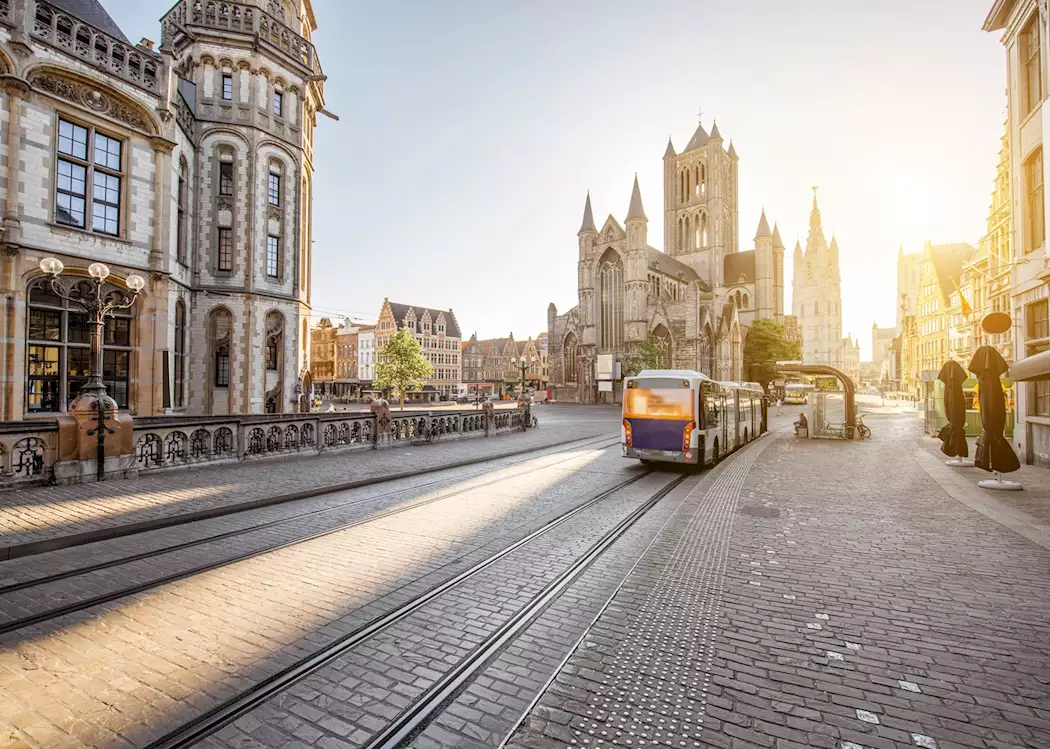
38, 514
830, 594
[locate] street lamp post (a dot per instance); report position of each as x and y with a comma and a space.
98, 300
523, 362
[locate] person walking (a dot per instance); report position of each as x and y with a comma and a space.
780, 407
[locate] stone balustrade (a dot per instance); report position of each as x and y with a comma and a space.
51, 25
48, 451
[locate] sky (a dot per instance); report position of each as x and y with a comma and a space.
471, 130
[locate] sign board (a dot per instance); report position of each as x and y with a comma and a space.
827, 384
605, 386
604, 366
779, 383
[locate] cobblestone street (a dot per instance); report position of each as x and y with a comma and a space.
802, 593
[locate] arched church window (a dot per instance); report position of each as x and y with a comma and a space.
688, 232
661, 336
744, 301
611, 299
569, 351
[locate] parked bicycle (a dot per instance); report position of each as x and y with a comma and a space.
427, 435
862, 430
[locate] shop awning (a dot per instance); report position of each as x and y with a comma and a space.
1034, 367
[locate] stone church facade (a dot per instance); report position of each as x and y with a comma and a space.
696, 298
190, 164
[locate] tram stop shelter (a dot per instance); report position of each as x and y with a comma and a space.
830, 410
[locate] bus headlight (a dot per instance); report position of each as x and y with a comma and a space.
687, 434
627, 432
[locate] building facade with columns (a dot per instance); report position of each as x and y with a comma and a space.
695, 298
190, 164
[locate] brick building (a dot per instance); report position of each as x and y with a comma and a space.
190, 164
438, 334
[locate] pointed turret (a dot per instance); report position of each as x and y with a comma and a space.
714, 131
815, 239
834, 243
763, 227
588, 216
732, 152
900, 252
798, 250
635, 210
669, 153
778, 243
700, 138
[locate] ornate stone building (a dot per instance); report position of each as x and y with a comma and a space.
696, 298
191, 164
491, 365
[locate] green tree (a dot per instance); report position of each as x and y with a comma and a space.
402, 365
650, 355
764, 346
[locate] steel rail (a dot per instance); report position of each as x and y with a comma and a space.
414, 719
36, 581
71, 608
221, 715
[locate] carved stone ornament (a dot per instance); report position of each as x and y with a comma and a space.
91, 98
225, 204
274, 213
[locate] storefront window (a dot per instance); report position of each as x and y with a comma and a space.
58, 354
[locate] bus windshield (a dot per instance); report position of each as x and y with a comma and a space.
661, 399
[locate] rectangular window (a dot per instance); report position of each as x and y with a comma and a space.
274, 189
222, 367
1032, 65
225, 260
78, 165
273, 256
1037, 320
1037, 340
278, 103
1034, 206
227, 87
226, 178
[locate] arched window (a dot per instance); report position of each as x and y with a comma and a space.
702, 231
661, 336
58, 351
181, 235
744, 301
688, 232
697, 189
707, 353
736, 373
180, 354
220, 329
611, 299
569, 351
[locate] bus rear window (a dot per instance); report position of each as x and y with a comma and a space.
658, 403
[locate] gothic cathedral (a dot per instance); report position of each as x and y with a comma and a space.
696, 298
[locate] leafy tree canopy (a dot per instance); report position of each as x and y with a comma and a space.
764, 346
402, 366
650, 355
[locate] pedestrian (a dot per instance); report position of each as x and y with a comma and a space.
780, 407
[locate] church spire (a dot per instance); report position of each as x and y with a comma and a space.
670, 149
778, 243
700, 138
816, 230
635, 210
588, 217
714, 131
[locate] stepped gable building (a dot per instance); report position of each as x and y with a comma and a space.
696, 298
816, 300
438, 334
191, 164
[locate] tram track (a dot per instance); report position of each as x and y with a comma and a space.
80, 605
417, 715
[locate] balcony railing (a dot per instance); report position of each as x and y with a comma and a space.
136, 65
242, 19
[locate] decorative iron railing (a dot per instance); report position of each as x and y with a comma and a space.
28, 451
63, 31
239, 18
